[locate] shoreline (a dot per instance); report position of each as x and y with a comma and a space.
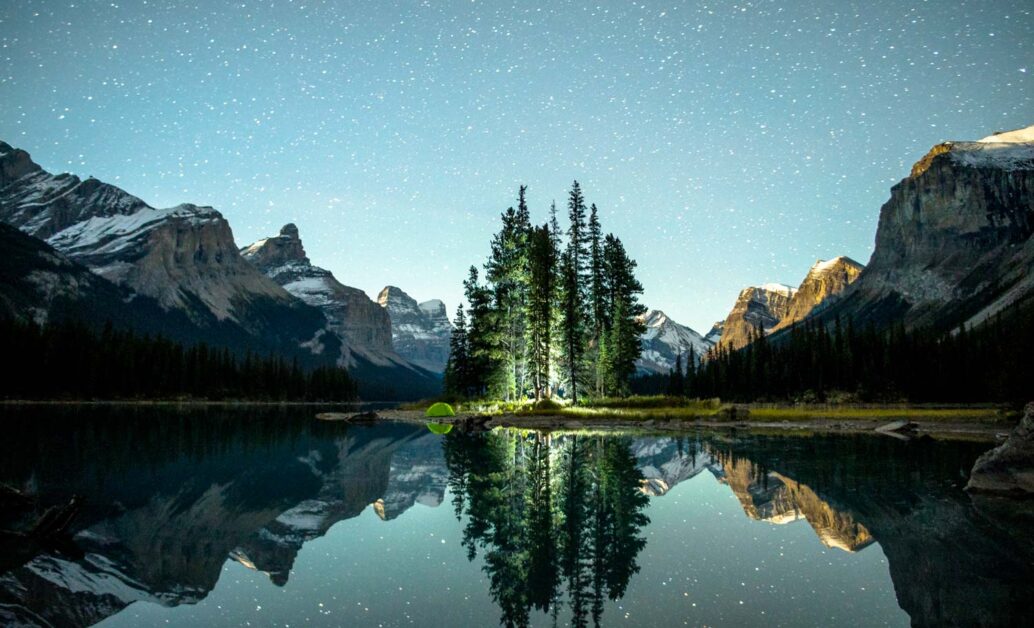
989, 431
985, 422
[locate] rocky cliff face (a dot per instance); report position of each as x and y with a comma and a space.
954, 241
757, 306
420, 331
183, 257
664, 340
361, 324
824, 282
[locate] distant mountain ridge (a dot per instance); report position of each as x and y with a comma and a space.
362, 326
771, 306
182, 259
185, 260
420, 331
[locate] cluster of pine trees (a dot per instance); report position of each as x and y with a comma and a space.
554, 315
71, 361
989, 362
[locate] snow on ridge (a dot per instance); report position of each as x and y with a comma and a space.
110, 232
822, 266
1015, 155
780, 288
1016, 136
94, 574
313, 290
654, 318
254, 247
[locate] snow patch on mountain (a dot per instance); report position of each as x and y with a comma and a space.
1017, 136
780, 288
106, 235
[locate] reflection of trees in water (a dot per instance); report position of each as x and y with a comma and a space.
553, 515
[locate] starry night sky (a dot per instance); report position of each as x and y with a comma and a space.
728, 144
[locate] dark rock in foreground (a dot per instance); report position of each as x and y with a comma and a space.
1008, 468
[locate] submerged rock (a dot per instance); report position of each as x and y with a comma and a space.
1008, 468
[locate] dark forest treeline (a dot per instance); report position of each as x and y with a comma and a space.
811, 362
71, 361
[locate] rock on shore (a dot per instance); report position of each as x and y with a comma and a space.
1008, 468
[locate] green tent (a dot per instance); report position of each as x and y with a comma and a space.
440, 409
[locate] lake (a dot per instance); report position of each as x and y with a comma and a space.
267, 517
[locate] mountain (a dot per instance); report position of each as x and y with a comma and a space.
363, 327
182, 257
824, 282
758, 306
954, 242
775, 306
714, 336
420, 331
664, 340
39, 283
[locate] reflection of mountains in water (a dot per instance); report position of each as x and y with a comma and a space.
161, 530
765, 495
774, 498
167, 502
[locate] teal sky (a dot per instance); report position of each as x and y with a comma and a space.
727, 144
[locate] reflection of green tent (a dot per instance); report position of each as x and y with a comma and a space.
440, 409
440, 428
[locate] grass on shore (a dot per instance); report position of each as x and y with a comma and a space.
888, 413
661, 407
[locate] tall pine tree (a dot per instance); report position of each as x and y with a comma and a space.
457, 369
507, 273
626, 325
573, 307
597, 295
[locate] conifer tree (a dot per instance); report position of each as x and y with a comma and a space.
482, 336
597, 294
626, 326
676, 384
556, 238
457, 369
574, 291
507, 273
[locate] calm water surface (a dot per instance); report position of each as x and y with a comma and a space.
224, 517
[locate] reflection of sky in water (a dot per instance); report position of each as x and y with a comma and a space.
705, 562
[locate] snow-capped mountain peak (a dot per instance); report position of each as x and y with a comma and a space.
664, 340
